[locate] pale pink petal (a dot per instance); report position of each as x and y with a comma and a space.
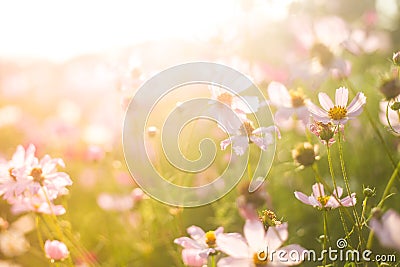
325, 101
195, 232
288, 255
279, 95
56, 250
355, 107
254, 232
246, 104
338, 191
187, 242
261, 142
314, 202
276, 236
317, 113
219, 230
387, 230
282, 115
240, 144
234, 262
341, 97
349, 201
225, 143
303, 115
233, 245
192, 258
302, 197
318, 190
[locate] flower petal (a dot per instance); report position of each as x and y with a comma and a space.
302, 197
355, 107
325, 101
233, 245
254, 233
187, 242
196, 232
341, 97
234, 262
245, 104
276, 236
318, 190
317, 113
279, 95
288, 255
338, 192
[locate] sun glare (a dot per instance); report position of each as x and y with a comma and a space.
61, 30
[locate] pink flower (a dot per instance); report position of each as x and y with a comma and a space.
115, 202
204, 243
288, 104
257, 247
27, 174
37, 203
262, 137
387, 230
338, 113
56, 250
191, 257
320, 200
239, 105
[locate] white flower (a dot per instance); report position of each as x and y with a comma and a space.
387, 229
258, 247
262, 137
338, 113
288, 104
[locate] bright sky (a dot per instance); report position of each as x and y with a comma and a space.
58, 30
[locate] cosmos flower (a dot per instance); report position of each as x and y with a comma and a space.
56, 250
204, 243
338, 113
320, 200
255, 249
246, 134
289, 104
387, 230
239, 105
393, 116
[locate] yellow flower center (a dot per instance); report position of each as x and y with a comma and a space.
210, 239
225, 98
260, 258
297, 98
36, 173
247, 128
323, 200
337, 113
11, 174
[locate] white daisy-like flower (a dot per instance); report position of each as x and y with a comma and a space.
338, 113
247, 134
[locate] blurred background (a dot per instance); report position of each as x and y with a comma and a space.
69, 68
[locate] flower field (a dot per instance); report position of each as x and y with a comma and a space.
278, 144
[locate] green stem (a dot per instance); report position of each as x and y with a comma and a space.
326, 236
372, 122
346, 230
385, 194
347, 185
213, 261
39, 234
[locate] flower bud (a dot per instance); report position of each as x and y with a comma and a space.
368, 192
395, 106
390, 88
304, 154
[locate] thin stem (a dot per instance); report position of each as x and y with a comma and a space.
213, 261
372, 122
347, 185
325, 235
346, 230
385, 194
39, 234
387, 118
